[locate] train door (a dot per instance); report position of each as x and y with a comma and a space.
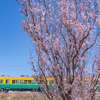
7, 81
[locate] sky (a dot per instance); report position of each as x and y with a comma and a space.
14, 48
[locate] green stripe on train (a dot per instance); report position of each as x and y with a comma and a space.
29, 86
19, 86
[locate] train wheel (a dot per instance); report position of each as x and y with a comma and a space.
1, 90
32, 90
5, 90
36, 90
39, 90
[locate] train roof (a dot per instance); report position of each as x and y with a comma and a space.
21, 76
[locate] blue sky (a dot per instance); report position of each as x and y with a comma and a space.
14, 48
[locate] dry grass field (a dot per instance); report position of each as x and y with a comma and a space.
22, 96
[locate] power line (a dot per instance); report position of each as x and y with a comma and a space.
14, 65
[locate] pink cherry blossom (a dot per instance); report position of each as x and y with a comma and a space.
65, 34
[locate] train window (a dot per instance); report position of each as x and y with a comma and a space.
84, 82
1, 81
41, 81
17, 81
33, 81
21, 81
25, 81
13, 81
37, 83
29, 81
51, 81
7, 81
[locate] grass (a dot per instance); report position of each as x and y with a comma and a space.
22, 96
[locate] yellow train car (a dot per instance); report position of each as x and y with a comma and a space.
22, 84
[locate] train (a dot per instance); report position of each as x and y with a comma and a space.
22, 83
26, 83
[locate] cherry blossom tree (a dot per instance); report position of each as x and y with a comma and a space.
65, 35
